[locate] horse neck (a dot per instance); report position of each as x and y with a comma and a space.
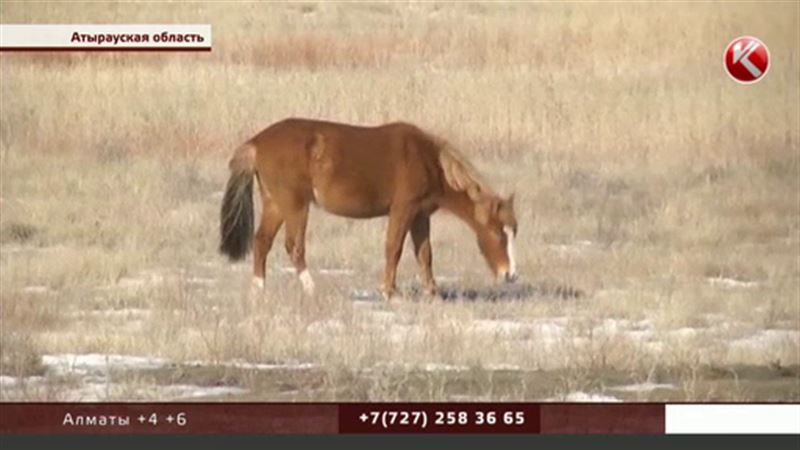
462, 207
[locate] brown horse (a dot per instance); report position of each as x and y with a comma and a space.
359, 172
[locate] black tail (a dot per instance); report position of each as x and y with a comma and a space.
237, 214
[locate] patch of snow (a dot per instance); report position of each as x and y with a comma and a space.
469, 398
717, 317
95, 385
655, 347
766, 339
14, 382
336, 271
240, 364
366, 295
94, 389
684, 332
183, 391
732, 282
573, 248
428, 367
583, 397
439, 367
639, 336
436, 367
36, 289
556, 329
642, 387
502, 327
383, 317
326, 327
365, 304
96, 363
446, 278
399, 333
612, 326
502, 366
27, 248
550, 331
135, 283
124, 313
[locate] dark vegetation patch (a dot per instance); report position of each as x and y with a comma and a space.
512, 292
18, 232
496, 293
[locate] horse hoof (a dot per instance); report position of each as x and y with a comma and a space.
257, 287
308, 282
390, 295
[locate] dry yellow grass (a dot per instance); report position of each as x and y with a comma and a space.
642, 173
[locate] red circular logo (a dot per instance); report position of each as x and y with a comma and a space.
746, 59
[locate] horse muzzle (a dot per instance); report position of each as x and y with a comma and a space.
507, 276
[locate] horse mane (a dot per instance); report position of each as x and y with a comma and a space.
460, 174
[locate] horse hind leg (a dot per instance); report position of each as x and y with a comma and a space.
271, 221
296, 223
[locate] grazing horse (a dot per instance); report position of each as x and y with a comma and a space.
359, 172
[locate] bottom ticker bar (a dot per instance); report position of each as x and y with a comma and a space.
393, 418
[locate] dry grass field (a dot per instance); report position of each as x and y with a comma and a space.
658, 201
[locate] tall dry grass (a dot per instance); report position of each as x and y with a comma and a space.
641, 171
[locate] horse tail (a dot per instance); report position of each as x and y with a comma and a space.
237, 215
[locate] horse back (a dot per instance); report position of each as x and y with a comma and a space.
350, 170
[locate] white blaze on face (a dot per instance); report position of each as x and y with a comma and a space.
512, 265
308, 282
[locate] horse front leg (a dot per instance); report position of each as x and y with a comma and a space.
399, 222
421, 236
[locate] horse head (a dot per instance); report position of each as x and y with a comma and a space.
497, 228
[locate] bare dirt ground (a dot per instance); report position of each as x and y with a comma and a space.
658, 201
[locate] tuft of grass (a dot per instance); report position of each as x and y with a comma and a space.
18, 232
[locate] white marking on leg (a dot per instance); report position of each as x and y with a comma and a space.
258, 282
317, 196
308, 282
512, 264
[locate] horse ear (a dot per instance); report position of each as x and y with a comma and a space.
496, 205
474, 193
506, 210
